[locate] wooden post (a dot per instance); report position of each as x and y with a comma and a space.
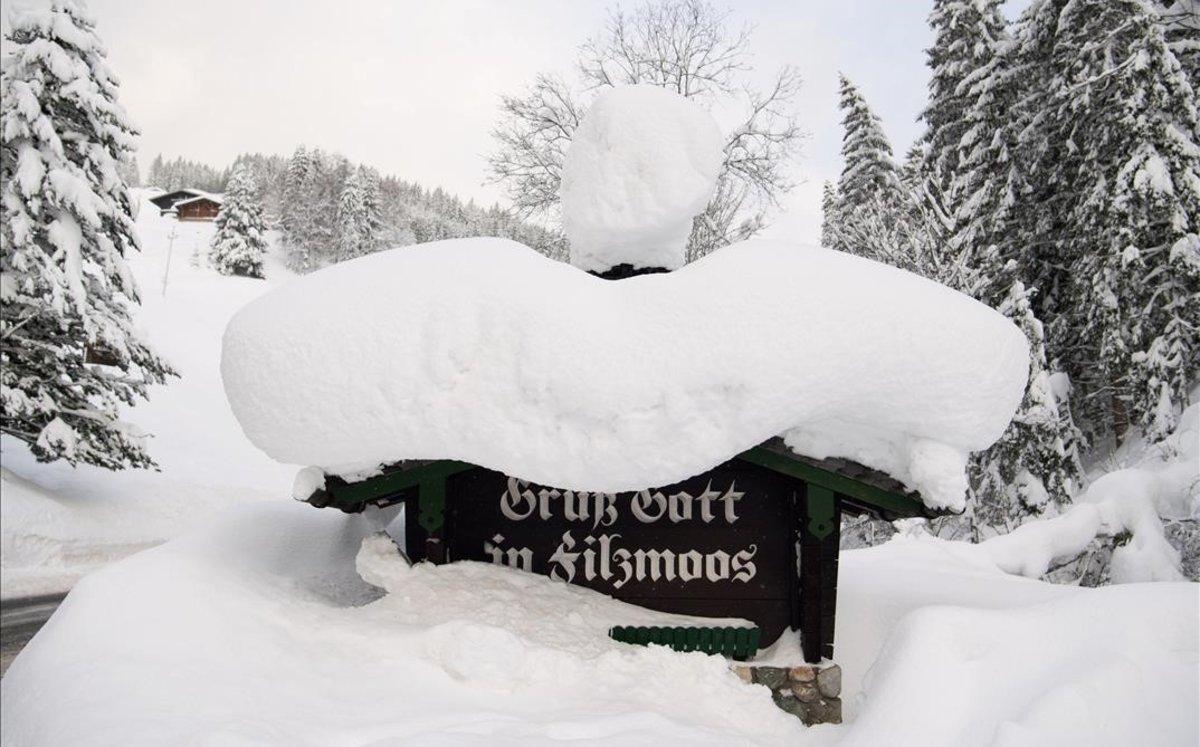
820, 535
425, 520
414, 534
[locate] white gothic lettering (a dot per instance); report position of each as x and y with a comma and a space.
601, 556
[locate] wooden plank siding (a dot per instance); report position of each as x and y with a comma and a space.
202, 209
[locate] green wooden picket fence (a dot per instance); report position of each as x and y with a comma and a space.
736, 643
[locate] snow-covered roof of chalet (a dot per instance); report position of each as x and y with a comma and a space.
483, 351
219, 199
184, 195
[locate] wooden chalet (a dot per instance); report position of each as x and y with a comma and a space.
205, 207
189, 204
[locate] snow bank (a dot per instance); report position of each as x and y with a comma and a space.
1130, 501
258, 630
1115, 665
484, 351
640, 166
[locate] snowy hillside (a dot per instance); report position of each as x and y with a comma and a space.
58, 522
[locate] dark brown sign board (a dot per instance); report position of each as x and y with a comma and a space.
722, 544
754, 538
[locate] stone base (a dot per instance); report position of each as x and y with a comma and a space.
808, 691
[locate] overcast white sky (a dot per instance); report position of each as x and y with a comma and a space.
412, 87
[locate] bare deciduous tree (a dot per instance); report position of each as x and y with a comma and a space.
688, 47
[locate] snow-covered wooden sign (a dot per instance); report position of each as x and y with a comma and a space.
593, 426
755, 538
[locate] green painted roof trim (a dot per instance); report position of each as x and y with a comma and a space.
431, 477
894, 503
390, 482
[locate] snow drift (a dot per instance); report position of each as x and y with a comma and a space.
484, 351
259, 630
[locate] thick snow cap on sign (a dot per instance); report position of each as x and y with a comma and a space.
641, 165
484, 351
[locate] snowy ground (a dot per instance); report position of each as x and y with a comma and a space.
257, 629
57, 522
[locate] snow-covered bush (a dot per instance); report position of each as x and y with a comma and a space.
1184, 536
65, 225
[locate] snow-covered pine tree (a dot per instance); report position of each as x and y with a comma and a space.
1130, 115
372, 204
961, 176
296, 216
298, 168
269, 173
330, 174
868, 189
353, 222
1036, 463
867, 167
1034, 468
1043, 176
912, 169
966, 34
240, 239
981, 187
829, 212
154, 176
1164, 373
180, 174
65, 226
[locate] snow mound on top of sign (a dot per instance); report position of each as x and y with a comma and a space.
484, 351
643, 162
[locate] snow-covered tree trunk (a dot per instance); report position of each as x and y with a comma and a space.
65, 227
